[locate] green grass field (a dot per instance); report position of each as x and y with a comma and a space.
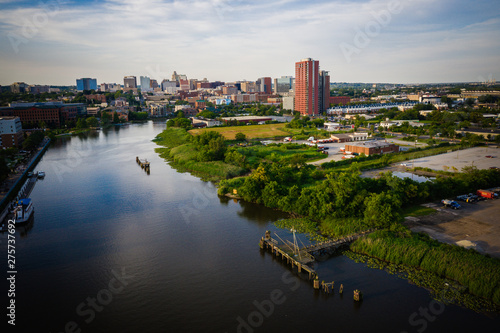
417, 211
250, 131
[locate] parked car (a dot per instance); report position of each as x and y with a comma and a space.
451, 203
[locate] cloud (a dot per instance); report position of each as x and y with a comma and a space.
231, 40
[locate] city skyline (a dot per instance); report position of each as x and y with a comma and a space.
401, 41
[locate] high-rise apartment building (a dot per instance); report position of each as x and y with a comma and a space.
86, 84
323, 92
312, 88
307, 86
130, 82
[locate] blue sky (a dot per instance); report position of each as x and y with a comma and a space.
400, 41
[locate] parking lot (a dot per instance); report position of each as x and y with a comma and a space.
475, 225
461, 158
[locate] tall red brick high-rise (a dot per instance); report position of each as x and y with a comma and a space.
307, 87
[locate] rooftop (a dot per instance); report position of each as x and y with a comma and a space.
372, 144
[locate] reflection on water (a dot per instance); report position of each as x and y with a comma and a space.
417, 178
194, 256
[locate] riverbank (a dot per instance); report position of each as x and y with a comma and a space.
15, 181
181, 154
479, 274
335, 202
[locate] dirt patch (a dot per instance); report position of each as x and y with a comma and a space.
475, 225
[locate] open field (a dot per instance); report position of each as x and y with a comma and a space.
251, 131
475, 225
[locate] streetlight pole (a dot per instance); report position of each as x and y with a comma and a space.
413, 161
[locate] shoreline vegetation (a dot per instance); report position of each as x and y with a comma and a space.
333, 200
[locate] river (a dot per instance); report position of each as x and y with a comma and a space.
113, 249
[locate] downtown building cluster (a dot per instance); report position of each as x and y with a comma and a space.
308, 93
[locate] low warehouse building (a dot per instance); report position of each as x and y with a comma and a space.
372, 147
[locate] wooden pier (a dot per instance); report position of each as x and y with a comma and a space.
303, 257
143, 163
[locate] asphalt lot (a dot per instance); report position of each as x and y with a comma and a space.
461, 158
475, 225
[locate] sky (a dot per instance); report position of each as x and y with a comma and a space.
55, 42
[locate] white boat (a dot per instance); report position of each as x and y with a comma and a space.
23, 211
41, 174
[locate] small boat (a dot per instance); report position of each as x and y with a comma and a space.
23, 211
30, 174
41, 174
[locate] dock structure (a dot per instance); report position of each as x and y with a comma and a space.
303, 257
27, 188
143, 163
287, 252
334, 244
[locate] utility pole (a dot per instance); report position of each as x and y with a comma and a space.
413, 161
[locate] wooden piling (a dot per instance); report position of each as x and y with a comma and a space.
316, 283
358, 295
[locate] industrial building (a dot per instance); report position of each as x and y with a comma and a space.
372, 147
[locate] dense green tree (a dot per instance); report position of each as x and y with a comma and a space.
380, 210
92, 122
240, 136
81, 123
33, 140
116, 119
180, 122
4, 169
207, 114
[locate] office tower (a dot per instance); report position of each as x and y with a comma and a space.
145, 84
264, 85
283, 84
86, 84
130, 82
